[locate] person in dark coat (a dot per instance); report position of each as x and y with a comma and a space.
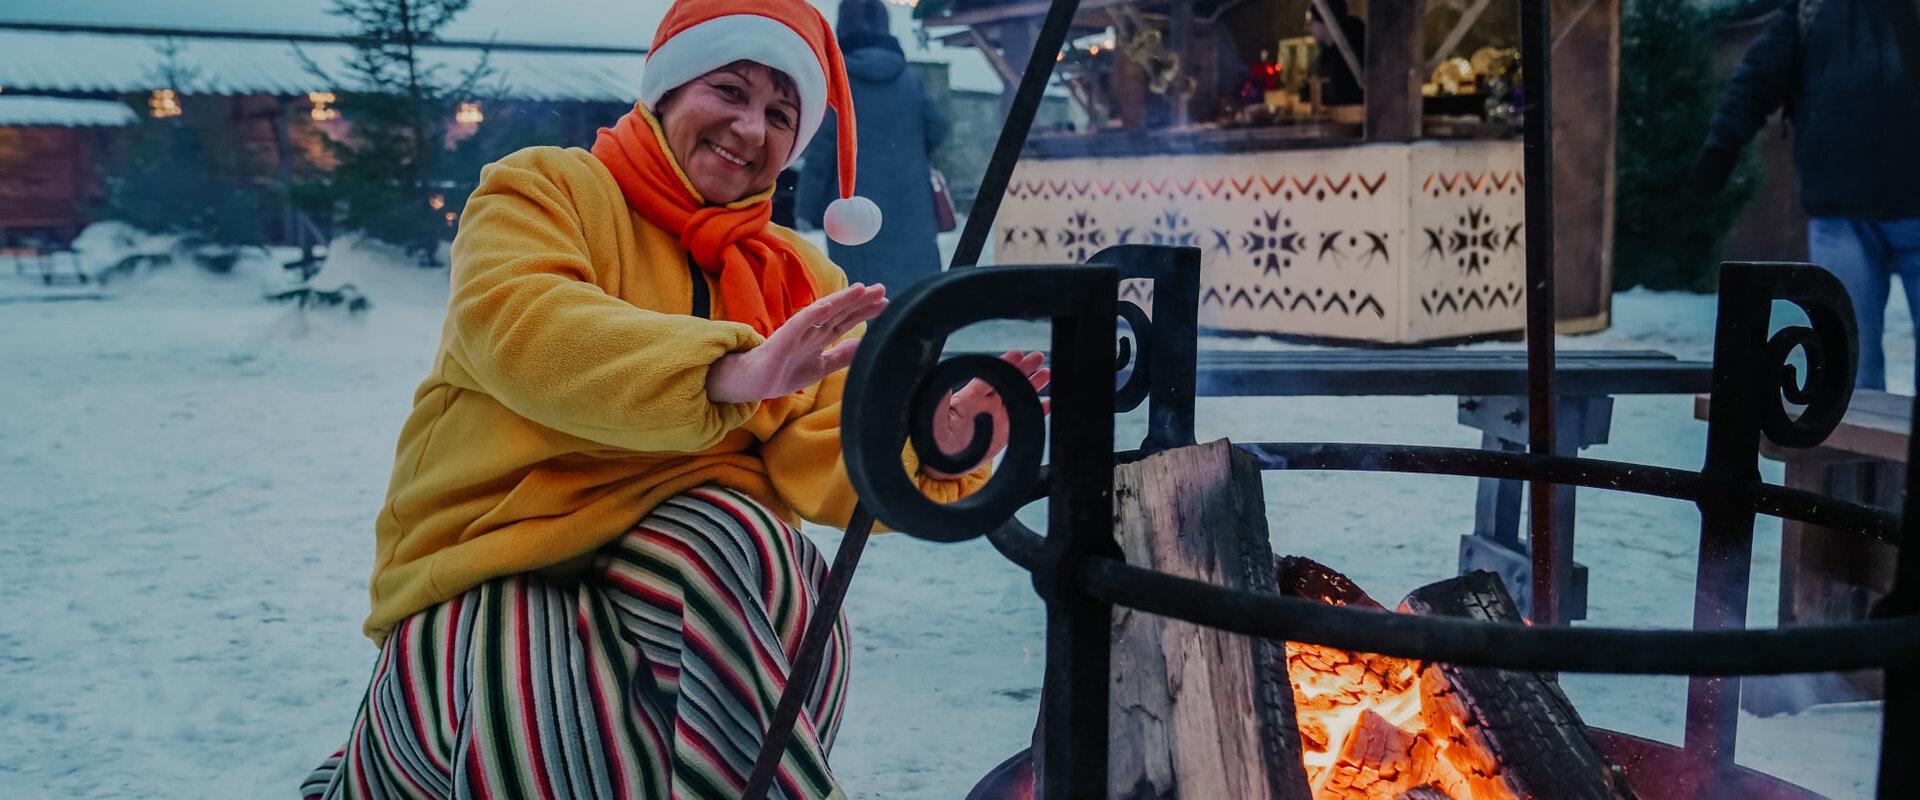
1837, 67
899, 128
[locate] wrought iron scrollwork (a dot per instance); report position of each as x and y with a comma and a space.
1140, 381
895, 389
1161, 348
1752, 367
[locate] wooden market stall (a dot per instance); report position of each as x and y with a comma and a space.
1359, 181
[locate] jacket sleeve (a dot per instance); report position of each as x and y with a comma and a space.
1767, 76
819, 177
530, 326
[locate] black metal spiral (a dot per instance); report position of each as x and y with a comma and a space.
895, 392
1140, 381
930, 403
1822, 393
1754, 372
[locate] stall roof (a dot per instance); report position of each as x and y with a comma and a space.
21, 111
49, 61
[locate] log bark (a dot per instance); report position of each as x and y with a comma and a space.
1541, 744
1197, 712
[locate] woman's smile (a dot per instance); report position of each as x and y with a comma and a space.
732, 129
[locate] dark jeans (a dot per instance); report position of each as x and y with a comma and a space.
1865, 255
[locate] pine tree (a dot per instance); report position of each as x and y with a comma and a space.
1664, 237
393, 164
187, 173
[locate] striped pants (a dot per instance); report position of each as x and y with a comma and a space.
654, 677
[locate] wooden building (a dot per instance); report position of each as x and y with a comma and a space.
1397, 218
67, 91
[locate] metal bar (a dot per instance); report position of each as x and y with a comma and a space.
1726, 524
1080, 527
1618, 651
1013, 134
806, 663
1551, 562
1900, 723
1775, 501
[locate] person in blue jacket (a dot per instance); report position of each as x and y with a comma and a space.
899, 129
1838, 68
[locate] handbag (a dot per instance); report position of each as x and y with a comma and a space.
943, 220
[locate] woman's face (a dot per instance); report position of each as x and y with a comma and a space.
732, 129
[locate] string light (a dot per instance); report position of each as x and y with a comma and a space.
437, 202
469, 114
323, 110
164, 103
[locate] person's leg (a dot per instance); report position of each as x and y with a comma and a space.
1902, 240
1844, 247
521, 687
717, 592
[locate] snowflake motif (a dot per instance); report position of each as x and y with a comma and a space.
1081, 237
1472, 243
1272, 242
1171, 228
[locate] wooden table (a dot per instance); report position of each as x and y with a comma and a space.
1828, 576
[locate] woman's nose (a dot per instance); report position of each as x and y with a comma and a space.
751, 127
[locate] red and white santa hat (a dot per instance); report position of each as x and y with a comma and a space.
699, 36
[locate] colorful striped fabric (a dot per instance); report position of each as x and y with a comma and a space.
653, 677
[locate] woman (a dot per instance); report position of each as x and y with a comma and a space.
588, 581
900, 129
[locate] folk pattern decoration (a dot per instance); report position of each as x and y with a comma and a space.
1389, 243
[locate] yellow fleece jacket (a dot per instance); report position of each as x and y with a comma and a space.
568, 397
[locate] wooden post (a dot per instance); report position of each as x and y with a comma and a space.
1394, 70
1586, 79
1197, 712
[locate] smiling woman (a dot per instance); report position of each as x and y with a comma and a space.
588, 581
733, 129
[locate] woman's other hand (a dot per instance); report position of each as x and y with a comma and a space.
800, 352
954, 428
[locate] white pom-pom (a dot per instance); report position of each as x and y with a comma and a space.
852, 220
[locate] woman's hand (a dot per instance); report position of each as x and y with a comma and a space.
796, 355
954, 427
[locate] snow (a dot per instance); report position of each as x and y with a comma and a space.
188, 477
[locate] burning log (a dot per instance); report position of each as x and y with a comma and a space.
1382, 728
1518, 727
1196, 712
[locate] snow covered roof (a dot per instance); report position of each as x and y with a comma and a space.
62, 112
46, 61
616, 23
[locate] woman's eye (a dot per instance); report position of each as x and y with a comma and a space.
780, 120
731, 91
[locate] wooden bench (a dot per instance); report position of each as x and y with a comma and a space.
1828, 576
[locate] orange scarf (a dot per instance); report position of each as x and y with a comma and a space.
761, 280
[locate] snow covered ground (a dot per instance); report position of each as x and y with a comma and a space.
188, 475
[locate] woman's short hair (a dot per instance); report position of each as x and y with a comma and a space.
862, 18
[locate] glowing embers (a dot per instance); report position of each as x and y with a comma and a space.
1374, 727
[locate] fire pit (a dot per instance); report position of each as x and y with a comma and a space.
1455, 699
